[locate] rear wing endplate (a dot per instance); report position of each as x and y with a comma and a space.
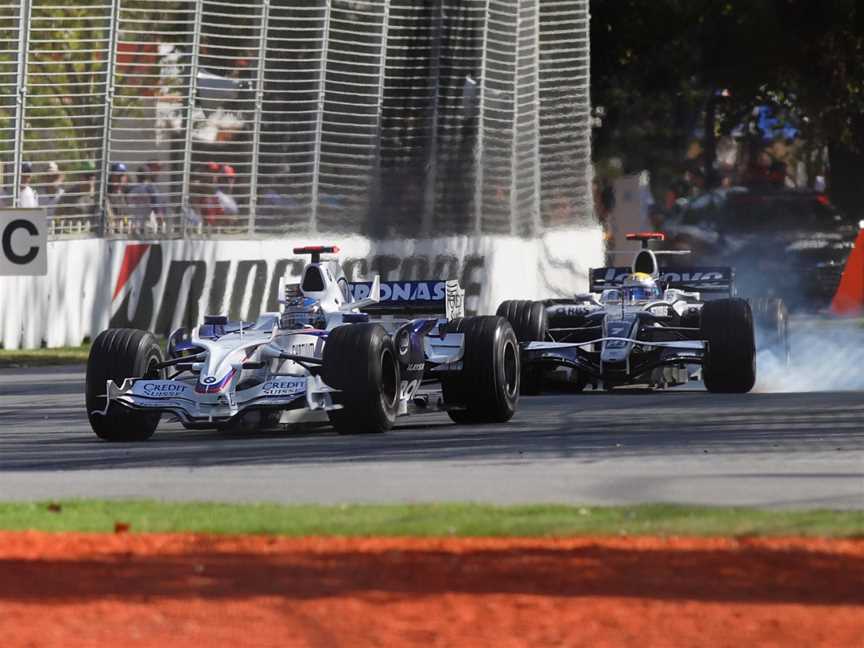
708, 279
444, 298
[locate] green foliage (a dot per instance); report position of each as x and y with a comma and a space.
68, 71
656, 63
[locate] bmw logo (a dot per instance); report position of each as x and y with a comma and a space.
209, 380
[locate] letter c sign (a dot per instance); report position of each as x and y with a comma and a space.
23, 242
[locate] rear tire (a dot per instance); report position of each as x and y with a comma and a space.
117, 354
487, 387
771, 320
360, 360
730, 362
528, 319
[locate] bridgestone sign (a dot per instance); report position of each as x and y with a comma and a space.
23, 242
92, 284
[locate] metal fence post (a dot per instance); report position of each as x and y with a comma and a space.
110, 73
432, 160
537, 219
190, 104
481, 113
24, 19
259, 106
514, 151
319, 120
375, 192
589, 170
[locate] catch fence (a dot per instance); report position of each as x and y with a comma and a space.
211, 118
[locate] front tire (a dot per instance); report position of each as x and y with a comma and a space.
117, 354
487, 387
528, 319
360, 360
730, 362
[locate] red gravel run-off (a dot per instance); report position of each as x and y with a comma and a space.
165, 591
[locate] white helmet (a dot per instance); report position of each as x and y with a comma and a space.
640, 286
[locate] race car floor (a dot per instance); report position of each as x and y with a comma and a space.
796, 450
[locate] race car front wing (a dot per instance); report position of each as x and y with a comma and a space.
189, 405
643, 357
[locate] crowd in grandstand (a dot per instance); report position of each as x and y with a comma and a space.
134, 203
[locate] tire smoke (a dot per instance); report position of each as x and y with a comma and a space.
827, 355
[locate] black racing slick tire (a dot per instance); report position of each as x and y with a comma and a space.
730, 361
486, 390
528, 319
771, 320
117, 354
360, 360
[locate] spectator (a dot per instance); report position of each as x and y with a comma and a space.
79, 200
160, 203
56, 190
275, 206
194, 213
145, 204
225, 194
27, 196
138, 201
85, 191
205, 202
118, 187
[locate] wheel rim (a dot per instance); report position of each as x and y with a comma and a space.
511, 374
153, 371
388, 378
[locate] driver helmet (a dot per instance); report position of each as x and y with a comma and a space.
640, 286
303, 312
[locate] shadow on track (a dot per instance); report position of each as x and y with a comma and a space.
584, 428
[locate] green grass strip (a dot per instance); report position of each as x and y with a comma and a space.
449, 519
44, 357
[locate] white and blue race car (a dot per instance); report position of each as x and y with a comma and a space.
361, 353
648, 326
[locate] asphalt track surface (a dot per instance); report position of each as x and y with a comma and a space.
798, 450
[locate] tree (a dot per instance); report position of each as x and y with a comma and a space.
823, 68
67, 74
658, 67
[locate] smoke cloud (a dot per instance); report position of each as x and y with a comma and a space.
827, 355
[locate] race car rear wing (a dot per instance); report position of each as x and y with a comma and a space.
407, 298
714, 279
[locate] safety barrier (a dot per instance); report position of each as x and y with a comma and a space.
161, 119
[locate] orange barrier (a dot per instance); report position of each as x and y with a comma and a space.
849, 299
